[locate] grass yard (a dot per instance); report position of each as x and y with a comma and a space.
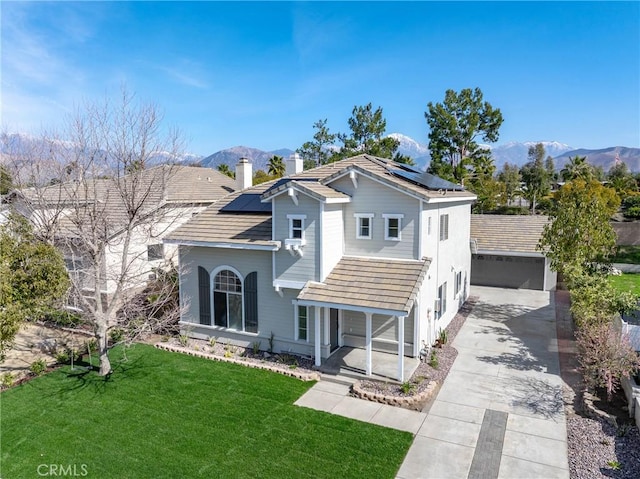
626, 282
164, 414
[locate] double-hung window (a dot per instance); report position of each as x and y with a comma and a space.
296, 226
393, 227
458, 283
444, 227
303, 323
364, 225
441, 306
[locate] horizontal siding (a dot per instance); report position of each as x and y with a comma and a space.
292, 267
332, 237
373, 197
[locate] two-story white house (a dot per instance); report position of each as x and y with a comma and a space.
363, 252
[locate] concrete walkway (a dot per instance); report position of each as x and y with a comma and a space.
499, 413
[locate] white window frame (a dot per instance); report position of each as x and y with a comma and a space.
457, 285
291, 219
388, 217
442, 300
359, 217
297, 323
212, 291
444, 227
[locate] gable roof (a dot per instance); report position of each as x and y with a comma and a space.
373, 284
507, 233
243, 222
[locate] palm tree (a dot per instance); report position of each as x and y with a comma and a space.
225, 170
577, 168
276, 166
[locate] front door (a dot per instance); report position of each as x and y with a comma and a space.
333, 328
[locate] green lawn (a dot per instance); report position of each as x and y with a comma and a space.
626, 282
168, 415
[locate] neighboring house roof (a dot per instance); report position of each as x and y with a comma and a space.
507, 233
243, 220
163, 185
369, 284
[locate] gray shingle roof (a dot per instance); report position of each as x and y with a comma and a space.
370, 283
507, 233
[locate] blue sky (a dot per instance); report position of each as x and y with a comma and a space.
260, 74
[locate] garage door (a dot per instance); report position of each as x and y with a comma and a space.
507, 271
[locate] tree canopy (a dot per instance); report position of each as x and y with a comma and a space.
33, 278
579, 233
535, 176
367, 128
276, 166
454, 127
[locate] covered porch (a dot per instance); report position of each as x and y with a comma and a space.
369, 287
352, 362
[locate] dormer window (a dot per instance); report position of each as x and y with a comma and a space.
296, 226
364, 225
393, 227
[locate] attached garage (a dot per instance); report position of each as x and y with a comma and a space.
504, 253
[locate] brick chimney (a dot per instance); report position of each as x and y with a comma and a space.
244, 176
293, 164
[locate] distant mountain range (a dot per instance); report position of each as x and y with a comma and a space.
513, 152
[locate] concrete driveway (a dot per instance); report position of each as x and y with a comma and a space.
499, 413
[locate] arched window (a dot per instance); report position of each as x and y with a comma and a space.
235, 302
227, 300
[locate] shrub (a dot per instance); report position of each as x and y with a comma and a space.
256, 347
433, 362
184, 339
38, 367
605, 355
116, 335
407, 387
62, 356
212, 341
63, 317
7, 380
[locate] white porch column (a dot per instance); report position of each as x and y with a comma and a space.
326, 326
316, 321
401, 349
368, 342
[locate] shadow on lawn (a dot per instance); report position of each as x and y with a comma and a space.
84, 373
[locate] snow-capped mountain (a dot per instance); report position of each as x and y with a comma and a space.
230, 156
410, 147
516, 152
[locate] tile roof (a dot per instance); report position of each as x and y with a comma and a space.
149, 191
215, 226
243, 227
507, 233
312, 188
370, 283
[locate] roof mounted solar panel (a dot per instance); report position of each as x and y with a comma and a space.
247, 203
425, 179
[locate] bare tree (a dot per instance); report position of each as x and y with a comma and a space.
97, 196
